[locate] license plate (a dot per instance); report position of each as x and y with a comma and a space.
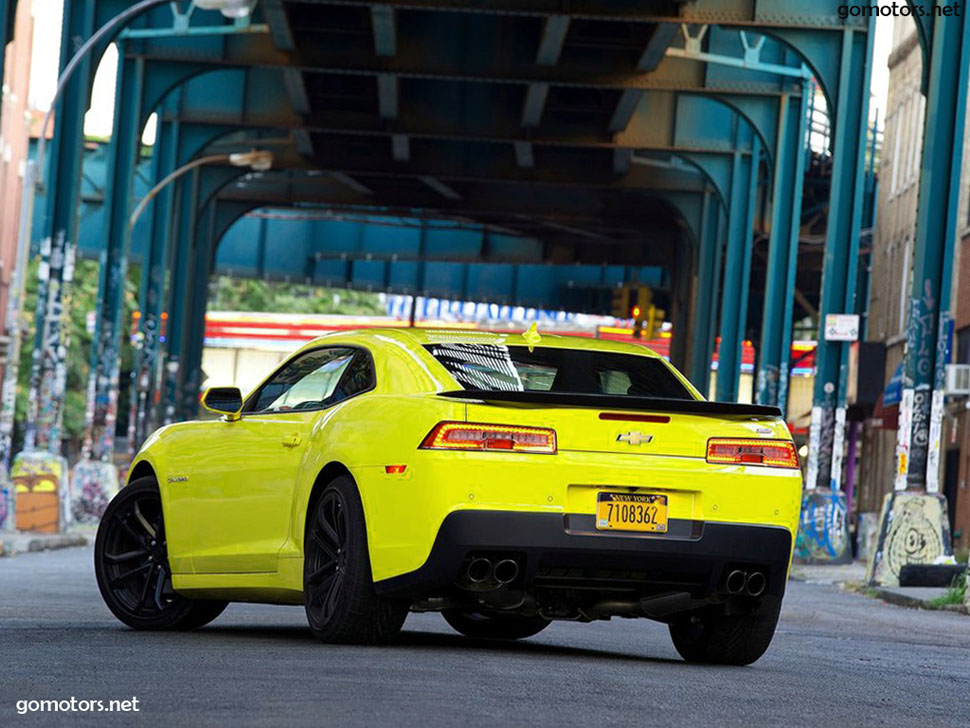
631, 512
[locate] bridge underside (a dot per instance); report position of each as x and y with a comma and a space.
520, 152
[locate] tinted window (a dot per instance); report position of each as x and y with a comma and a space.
314, 380
516, 369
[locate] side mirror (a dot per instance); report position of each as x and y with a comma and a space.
226, 401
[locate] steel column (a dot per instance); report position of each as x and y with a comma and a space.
786, 204
152, 289
178, 293
190, 355
105, 351
703, 344
58, 233
737, 272
827, 431
927, 331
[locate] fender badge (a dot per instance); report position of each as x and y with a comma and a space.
178, 479
634, 438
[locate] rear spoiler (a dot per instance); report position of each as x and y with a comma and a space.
607, 401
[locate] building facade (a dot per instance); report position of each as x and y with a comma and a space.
892, 264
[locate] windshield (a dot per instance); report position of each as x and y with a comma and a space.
575, 371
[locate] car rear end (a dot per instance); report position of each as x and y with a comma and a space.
582, 480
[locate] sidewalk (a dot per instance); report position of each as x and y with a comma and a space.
854, 573
18, 543
851, 577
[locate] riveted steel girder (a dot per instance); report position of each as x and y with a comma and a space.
841, 257
105, 351
775, 345
704, 321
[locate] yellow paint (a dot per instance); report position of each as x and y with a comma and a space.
235, 497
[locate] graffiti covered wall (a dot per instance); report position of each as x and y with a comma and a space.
42, 487
94, 483
914, 529
823, 531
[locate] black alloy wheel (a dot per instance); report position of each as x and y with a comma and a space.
338, 589
132, 569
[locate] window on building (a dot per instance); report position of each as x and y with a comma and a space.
963, 346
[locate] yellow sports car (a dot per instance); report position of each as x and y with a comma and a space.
505, 480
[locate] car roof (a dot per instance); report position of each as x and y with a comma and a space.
425, 336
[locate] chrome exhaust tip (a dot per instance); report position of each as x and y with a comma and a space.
478, 570
505, 571
756, 584
735, 582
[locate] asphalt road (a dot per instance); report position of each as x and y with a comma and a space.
837, 659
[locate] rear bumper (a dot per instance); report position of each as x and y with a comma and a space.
566, 552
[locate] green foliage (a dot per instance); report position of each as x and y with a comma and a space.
240, 294
83, 301
954, 596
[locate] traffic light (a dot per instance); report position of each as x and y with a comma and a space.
655, 320
634, 301
620, 304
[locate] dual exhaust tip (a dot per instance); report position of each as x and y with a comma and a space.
482, 570
741, 582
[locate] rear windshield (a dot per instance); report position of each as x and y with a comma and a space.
516, 369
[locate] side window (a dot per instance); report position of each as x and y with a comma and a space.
308, 382
358, 377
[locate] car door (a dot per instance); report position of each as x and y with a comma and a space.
243, 503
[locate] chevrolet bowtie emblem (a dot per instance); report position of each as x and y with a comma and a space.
634, 438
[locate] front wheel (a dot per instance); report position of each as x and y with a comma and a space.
131, 565
725, 639
338, 589
499, 626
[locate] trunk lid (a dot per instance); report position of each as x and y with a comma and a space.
677, 428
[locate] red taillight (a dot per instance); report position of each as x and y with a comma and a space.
742, 451
477, 436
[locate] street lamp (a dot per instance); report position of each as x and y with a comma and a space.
34, 179
258, 160
233, 9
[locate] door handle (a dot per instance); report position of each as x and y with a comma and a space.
291, 440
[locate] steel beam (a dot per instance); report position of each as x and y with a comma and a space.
260, 52
113, 273
705, 298
385, 30
827, 430
59, 234
554, 30
152, 289
737, 272
822, 15
786, 205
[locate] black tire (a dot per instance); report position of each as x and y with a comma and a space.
494, 626
338, 589
725, 639
131, 565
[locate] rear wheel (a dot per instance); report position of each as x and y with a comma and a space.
341, 604
489, 626
725, 639
131, 565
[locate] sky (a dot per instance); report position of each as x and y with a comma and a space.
47, 31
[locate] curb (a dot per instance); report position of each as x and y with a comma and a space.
902, 600
26, 544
